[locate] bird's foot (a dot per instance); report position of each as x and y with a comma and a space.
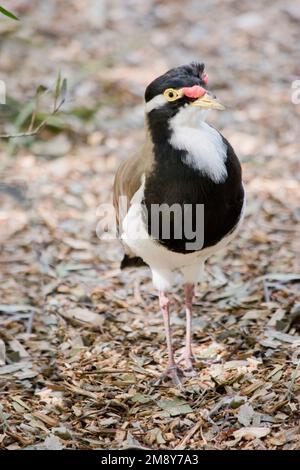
172, 372
189, 361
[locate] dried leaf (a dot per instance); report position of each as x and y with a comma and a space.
140, 398
132, 443
245, 414
45, 418
175, 407
53, 443
105, 422
16, 346
2, 353
155, 435
284, 337
16, 308
251, 433
281, 277
14, 367
84, 316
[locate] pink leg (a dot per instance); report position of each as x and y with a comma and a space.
172, 370
187, 356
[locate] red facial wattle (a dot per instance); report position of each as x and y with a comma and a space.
195, 91
204, 78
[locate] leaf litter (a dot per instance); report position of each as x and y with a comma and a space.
80, 341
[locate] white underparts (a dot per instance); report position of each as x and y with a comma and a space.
205, 148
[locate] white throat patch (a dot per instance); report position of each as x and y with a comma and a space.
205, 148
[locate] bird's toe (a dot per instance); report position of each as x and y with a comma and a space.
189, 362
174, 373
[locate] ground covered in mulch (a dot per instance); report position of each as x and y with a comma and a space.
81, 342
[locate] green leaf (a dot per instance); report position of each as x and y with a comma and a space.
60, 91
57, 89
63, 91
24, 114
8, 13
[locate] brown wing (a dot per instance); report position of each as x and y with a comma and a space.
128, 179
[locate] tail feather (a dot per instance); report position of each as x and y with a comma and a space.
132, 261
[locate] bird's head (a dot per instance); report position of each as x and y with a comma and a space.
181, 90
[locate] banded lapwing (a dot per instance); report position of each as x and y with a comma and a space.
183, 193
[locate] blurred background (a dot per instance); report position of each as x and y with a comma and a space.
58, 281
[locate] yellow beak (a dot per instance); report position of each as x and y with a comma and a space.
208, 102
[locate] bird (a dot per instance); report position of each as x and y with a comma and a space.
180, 198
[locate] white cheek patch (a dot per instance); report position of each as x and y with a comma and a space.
156, 102
205, 148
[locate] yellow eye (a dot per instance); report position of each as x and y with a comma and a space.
171, 95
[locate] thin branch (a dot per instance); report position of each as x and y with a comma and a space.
37, 129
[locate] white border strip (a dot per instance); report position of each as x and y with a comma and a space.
156, 102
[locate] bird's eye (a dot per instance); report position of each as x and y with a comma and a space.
171, 95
